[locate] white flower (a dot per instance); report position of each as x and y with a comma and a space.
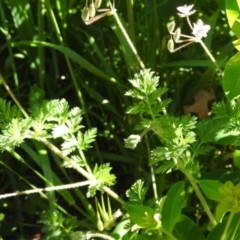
200, 30
185, 10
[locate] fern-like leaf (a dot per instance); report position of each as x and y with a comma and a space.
103, 177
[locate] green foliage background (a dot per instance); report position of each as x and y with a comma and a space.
45, 45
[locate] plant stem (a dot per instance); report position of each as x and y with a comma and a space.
57, 151
47, 189
114, 12
224, 235
79, 169
13, 96
98, 235
211, 56
200, 196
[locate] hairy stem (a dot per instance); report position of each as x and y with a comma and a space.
128, 39
201, 197
211, 56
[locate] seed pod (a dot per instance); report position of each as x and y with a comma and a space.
171, 26
98, 3
92, 10
170, 45
85, 14
177, 34
100, 225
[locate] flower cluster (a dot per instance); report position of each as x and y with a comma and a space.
199, 30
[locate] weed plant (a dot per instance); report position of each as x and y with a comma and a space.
120, 120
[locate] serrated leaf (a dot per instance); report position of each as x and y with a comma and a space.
68, 146
132, 141
86, 138
165, 167
60, 130
14, 133
137, 192
103, 177
75, 159
8, 112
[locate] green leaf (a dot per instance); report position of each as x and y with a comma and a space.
221, 210
218, 230
71, 54
210, 189
137, 192
236, 158
233, 15
225, 138
132, 141
103, 177
186, 229
15, 132
172, 206
142, 216
8, 112
85, 139
231, 78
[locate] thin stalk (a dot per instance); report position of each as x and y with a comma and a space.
154, 184
58, 152
189, 22
157, 27
47, 189
131, 22
58, 34
230, 218
98, 235
7, 32
79, 169
201, 197
13, 97
211, 56
79, 94
41, 69
128, 39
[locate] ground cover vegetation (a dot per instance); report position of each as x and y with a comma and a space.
119, 119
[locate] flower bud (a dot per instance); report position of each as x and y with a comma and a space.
98, 3
170, 45
171, 26
177, 34
92, 10
85, 14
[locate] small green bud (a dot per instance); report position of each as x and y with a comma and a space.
171, 26
170, 45
100, 225
85, 14
98, 3
92, 10
177, 34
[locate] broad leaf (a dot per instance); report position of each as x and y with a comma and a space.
186, 229
210, 189
172, 206
233, 15
231, 78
